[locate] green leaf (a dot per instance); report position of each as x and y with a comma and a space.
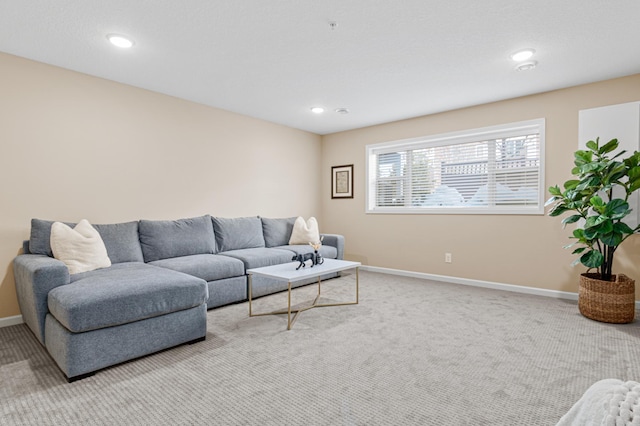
616, 206
608, 147
596, 201
588, 183
591, 234
622, 228
571, 184
592, 145
582, 157
634, 172
558, 209
592, 259
633, 160
554, 190
594, 221
635, 185
571, 219
622, 215
590, 167
579, 250
552, 200
572, 194
633, 176
605, 227
612, 239
616, 171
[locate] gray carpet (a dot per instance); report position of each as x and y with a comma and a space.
413, 352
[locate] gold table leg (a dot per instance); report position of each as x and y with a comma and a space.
250, 275
315, 305
289, 309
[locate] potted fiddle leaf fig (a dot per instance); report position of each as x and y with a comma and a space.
598, 202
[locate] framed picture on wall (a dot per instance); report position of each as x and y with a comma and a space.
342, 181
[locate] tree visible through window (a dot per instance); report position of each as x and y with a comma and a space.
491, 170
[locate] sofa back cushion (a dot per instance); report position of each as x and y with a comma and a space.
120, 239
238, 233
277, 231
163, 239
40, 238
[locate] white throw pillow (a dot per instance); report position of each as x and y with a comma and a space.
80, 248
305, 232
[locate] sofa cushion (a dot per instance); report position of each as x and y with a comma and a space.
123, 293
277, 231
238, 233
328, 252
162, 239
209, 267
120, 239
40, 238
80, 248
259, 257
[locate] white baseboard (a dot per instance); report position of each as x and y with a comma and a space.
6, 322
477, 283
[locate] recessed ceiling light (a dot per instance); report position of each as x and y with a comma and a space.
525, 66
342, 110
120, 41
317, 110
522, 55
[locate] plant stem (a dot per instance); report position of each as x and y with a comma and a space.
604, 252
607, 264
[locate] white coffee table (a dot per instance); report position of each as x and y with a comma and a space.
287, 272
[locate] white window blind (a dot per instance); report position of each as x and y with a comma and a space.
491, 170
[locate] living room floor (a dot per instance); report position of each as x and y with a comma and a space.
412, 351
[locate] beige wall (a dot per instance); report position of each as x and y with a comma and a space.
520, 250
75, 146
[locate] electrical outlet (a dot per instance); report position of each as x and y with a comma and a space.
447, 257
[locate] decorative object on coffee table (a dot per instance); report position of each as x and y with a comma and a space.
302, 259
342, 181
317, 257
598, 199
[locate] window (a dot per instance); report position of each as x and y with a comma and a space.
493, 170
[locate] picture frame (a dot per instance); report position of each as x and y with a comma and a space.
342, 181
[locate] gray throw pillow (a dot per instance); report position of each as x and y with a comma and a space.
163, 239
238, 233
277, 231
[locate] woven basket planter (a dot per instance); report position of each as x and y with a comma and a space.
607, 301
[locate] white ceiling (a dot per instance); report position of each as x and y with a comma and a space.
386, 60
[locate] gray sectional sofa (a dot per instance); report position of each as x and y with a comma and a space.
163, 277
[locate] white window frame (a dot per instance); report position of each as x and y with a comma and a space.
454, 138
